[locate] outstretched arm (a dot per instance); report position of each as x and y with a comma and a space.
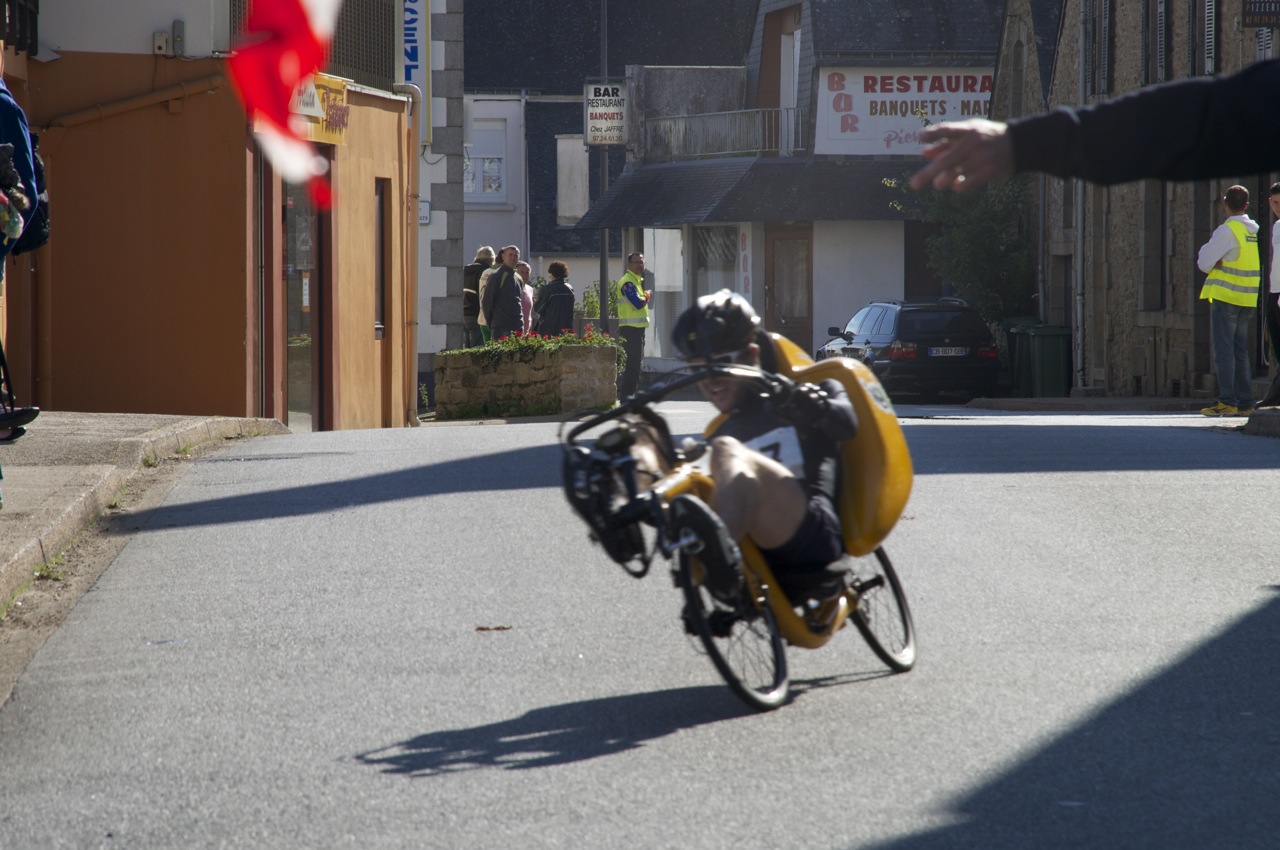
1193, 129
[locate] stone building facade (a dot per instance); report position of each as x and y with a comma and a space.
1117, 264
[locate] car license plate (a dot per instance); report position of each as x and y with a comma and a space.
948, 352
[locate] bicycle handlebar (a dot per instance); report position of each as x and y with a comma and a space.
773, 383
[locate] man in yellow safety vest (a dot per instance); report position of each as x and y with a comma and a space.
1230, 259
633, 318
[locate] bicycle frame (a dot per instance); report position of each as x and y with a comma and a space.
763, 587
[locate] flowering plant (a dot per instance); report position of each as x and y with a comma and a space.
519, 346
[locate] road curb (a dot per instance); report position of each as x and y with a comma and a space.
47, 540
1264, 423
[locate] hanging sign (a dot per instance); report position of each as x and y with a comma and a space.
604, 113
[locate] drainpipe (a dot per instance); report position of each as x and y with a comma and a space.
1041, 248
1078, 330
413, 197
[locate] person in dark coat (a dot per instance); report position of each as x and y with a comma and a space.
471, 296
554, 305
501, 299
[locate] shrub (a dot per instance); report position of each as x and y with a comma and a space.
522, 347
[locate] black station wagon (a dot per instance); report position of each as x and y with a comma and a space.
926, 347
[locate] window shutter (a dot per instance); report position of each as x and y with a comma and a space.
1104, 49
1162, 30
1210, 36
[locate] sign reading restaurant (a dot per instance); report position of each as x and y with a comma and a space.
604, 114
869, 111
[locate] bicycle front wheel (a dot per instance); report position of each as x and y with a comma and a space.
880, 612
743, 642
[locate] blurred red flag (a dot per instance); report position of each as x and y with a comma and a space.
284, 43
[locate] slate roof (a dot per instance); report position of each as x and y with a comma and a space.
551, 46
543, 122
848, 29
748, 189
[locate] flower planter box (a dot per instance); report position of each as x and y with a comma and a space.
472, 384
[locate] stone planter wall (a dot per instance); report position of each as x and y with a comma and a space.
576, 377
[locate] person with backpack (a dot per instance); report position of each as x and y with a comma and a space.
20, 190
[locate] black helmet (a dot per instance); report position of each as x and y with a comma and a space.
716, 324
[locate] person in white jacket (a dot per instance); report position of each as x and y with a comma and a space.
1230, 259
1272, 397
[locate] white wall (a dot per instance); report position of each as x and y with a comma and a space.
126, 26
432, 169
853, 262
501, 223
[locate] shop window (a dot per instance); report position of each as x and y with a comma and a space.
484, 170
715, 259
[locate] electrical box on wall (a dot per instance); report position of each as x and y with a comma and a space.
160, 43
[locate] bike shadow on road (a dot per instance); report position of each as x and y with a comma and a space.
559, 734
574, 732
1189, 759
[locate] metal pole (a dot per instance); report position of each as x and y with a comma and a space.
604, 175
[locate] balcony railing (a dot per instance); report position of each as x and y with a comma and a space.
21, 30
748, 132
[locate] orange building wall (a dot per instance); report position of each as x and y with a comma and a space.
146, 298
151, 297
370, 372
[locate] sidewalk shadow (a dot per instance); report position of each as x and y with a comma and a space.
559, 734
524, 468
1190, 759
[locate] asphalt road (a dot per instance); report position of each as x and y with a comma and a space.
404, 639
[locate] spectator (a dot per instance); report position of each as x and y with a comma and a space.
19, 190
471, 296
633, 319
1230, 259
526, 294
500, 302
554, 307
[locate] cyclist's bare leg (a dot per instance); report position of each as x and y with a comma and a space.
755, 494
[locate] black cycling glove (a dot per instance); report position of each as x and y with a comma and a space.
803, 403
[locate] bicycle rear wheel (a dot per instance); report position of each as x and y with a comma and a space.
742, 640
880, 612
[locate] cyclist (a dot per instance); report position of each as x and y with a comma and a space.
774, 459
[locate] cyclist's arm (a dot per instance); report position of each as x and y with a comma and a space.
842, 421
823, 407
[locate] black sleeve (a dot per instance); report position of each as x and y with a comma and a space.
1194, 129
841, 423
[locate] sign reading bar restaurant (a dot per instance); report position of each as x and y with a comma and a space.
869, 111
604, 114
1260, 13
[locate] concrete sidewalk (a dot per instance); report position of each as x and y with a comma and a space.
69, 467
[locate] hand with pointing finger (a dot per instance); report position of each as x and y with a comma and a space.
964, 155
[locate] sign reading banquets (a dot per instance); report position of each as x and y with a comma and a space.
604, 116
868, 111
